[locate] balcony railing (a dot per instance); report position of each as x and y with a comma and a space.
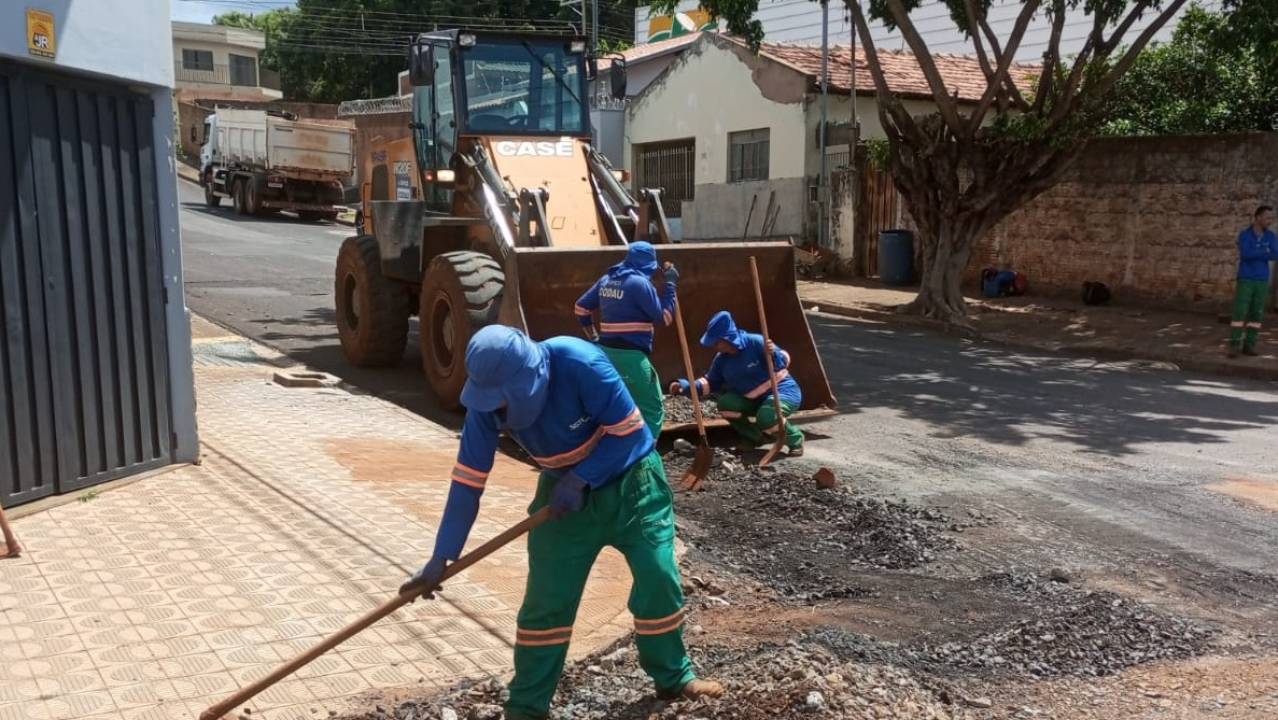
222, 75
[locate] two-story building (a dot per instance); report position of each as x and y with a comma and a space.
216, 62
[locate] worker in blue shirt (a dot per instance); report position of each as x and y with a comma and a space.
629, 312
1257, 247
563, 402
738, 375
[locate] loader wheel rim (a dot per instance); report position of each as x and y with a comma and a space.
350, 293
442, 340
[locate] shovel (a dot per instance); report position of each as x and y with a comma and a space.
11, 543
772, 373
228, 705
696, 473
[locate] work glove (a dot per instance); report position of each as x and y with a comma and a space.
428, 577
568, 495
671, 273
592, 334
680, 387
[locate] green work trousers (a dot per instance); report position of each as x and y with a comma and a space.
753, 418
640, 378
1249, 310
635, 514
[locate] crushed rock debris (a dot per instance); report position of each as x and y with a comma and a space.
679, 410
764, 682
803, 541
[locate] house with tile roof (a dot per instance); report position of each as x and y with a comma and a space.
722, 127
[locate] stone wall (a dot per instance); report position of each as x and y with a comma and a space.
1155, 218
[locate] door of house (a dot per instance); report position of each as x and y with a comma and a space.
84, 387
669, 166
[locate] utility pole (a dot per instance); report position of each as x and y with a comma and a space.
823, 183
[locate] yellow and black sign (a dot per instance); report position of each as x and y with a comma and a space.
41, 39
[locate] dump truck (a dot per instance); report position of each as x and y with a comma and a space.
495, 208
266, 160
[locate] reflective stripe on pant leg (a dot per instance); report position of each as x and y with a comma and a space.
656, 595
1241, 309
738, 411
560, 555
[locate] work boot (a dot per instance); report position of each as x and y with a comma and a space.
795, 452
696, 689
1250, 351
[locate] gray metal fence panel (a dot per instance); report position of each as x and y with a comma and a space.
79, 210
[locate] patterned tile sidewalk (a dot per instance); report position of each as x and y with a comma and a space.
156, 599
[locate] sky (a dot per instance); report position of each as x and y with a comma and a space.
202, 11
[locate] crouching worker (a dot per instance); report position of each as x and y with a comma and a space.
563, 402
629, 310
738, 375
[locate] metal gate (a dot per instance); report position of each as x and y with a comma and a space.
669, 166
84, 387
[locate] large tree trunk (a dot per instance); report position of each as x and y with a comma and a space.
946, 247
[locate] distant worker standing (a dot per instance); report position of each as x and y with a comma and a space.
604, 483
1257, 247
629, 313
738, 375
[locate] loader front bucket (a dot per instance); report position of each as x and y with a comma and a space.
713, 277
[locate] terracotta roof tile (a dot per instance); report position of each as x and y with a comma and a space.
960, 73
639, 53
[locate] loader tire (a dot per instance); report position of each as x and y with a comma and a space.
372, 310
461, 293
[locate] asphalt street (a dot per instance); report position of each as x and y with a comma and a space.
1076, 455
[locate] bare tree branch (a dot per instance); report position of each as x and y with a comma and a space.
891, 113
1004, 64
1107, 46
945, 105
1111, 77
972, 30
1051, 57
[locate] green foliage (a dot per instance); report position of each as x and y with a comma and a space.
878, 151
300, 42
1218, 74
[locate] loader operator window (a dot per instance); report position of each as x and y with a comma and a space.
524, 87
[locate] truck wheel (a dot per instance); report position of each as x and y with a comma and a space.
372, 310
237, 197
211, 199
461, 293
252, 197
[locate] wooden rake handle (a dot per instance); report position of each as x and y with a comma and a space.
687, 368
767, 356
390, 606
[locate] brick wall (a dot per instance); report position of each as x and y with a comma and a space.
1155, 218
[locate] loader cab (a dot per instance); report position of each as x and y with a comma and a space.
468, 84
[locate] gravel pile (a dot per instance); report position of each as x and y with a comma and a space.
679, 410
803, 541
765, 682
1086, 634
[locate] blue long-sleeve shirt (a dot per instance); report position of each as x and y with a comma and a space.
746, 373
629, 309
1255, 252
589, 426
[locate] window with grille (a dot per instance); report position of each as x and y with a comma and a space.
748, 155
197, 60
670, 167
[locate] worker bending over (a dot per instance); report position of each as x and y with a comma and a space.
739, 376
563, 402
629, 311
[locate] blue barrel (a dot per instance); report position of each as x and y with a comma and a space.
896, 257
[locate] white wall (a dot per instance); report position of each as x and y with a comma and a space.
128, 40
709, 93
799, 21
221, 51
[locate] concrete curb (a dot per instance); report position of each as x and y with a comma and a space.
1207, 365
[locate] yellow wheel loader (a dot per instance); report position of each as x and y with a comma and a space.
496, 209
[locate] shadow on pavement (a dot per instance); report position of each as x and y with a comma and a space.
973, 389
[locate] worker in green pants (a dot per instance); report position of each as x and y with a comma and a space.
1257, 247
738, 375
629, 312
564, 403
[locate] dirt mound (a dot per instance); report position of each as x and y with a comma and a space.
679, 409
765, 682
1085, 634
804, 542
